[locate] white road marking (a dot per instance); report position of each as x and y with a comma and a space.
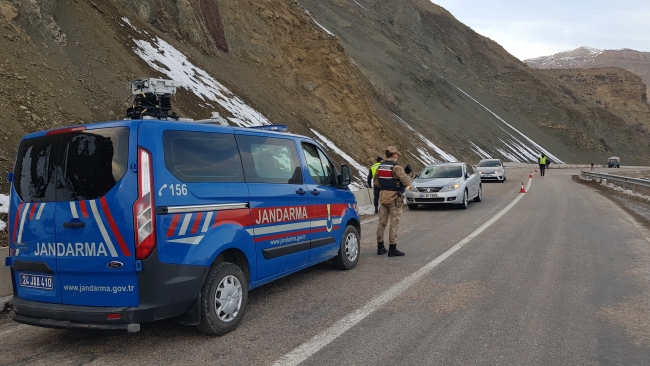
315, 344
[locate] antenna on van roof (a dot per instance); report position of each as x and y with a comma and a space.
152, 98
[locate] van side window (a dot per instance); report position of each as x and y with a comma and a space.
320, 168
202, 157
269, 160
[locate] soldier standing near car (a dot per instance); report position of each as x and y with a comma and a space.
392, 180
371, 176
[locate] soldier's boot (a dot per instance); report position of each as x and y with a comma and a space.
381, 249
393, 252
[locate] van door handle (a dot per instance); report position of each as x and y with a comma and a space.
301, 191
74, 224
315, 192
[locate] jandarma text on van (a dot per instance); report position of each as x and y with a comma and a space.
71, 249
279, 214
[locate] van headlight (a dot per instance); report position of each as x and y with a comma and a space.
451, 187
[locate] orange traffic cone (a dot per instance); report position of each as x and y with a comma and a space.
535, 170
530, 175
522, 190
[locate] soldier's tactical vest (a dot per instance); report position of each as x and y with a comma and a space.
386, 180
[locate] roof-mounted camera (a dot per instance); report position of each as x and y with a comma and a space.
152, 98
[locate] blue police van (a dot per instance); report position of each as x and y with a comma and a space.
120, 223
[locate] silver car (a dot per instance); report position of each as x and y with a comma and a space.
491, 169
445, 183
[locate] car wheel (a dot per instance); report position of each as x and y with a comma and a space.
465, 202
223, 299
479, 196
349, 251
412, 206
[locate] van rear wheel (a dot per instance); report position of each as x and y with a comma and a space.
223, 299
349, 251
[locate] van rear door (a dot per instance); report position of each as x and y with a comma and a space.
31, 230
95, 194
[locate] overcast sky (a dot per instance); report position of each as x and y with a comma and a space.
530, 29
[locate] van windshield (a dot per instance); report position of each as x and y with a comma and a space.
80, 165
441, 172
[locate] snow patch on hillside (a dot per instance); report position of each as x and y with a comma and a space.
445, 156
318, 24
163, 57
480, 152
521, 148
566, 58
4, 208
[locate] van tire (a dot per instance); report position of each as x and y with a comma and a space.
224, 280
349, 250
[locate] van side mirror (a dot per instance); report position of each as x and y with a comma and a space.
345, 175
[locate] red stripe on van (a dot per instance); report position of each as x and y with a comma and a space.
20, 208
197, 222
116, 232
32, 210
240, 216
172, 226
84, 211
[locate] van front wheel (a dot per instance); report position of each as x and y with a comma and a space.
223, 299
348, 256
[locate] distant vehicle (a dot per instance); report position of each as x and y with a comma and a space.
454, 183
614, 162
491, 169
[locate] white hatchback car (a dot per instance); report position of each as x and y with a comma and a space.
454, 183
491, 169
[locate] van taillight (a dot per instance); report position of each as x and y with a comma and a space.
143, 216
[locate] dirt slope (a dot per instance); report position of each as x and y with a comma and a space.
421, 53
390, 63
619, 91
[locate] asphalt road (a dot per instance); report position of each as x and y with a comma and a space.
560, 278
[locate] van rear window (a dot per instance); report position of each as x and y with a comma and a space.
80, 165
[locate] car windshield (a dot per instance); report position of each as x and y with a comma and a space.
441, 172
489, 163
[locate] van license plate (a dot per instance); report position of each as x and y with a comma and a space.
36, 281
429, 196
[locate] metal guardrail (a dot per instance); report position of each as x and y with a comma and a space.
637, 185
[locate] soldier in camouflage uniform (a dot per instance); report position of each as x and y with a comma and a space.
392, 179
